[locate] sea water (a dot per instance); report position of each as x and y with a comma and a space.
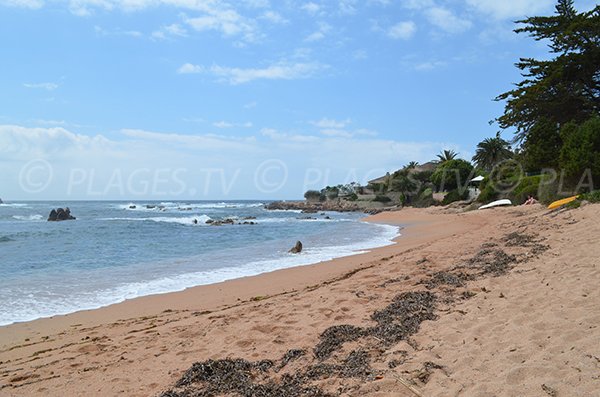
120, 250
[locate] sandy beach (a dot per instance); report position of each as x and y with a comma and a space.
502, 302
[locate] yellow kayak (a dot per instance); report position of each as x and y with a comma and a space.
560, 203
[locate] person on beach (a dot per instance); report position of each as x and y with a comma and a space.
530, 201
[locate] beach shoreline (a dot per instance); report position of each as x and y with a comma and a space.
143, 346
164, 301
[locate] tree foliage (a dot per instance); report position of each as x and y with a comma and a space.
581, 150
492, 151
564, 88
452, 174
446, 155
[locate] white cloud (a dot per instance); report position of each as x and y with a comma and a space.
429, 65
143, 154
188, 68
347, 6
402, 30
331, 123
447, 21
273, 17
45, 86
311, 8
226, 124
417, 4
173, 30
320, 34
279, 71
33, 4
225, 20
510, 9
19, 142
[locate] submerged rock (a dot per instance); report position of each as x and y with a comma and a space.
60, 214
297, 248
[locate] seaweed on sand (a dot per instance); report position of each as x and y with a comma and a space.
492, 261
516, 239
290, 355
398, 320
334, 337
239, 378
403, 316
446, 278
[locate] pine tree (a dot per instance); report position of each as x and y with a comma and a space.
565, 88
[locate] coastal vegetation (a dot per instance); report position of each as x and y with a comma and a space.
553, 113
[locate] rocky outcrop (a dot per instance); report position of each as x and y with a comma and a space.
60, 214
308, 207
229, 221
296, 249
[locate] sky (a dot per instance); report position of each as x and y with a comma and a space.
246, 99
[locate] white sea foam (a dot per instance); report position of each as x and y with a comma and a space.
19, 205
35, 217
30, 308
183, 206
189, 220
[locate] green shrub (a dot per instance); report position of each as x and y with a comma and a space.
527, 186
455, 195
452, 174
592, 197
488, 194
352, 197
313, 195
581, 149
382, 198
425, 199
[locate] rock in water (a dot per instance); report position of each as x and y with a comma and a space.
60, 214
53, 216
297, 248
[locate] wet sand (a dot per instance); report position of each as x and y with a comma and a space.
515, 312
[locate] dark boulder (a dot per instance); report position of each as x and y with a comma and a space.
297, 248
60, 214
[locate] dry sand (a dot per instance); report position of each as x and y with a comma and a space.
517, 313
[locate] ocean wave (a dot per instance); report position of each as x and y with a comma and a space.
200, 220
5, 239
35, 217
18, 205
19, 305
183, 206
301, 219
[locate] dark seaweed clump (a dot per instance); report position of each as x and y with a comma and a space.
516, 239
238, 377
396, 322
493, 262
403, 316
446, 278
290, 355
334, 337
241, 378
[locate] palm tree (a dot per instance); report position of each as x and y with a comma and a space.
412, 165
492, 151
446, 155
